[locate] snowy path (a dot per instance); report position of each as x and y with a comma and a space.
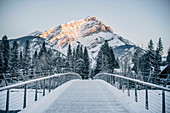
86, 96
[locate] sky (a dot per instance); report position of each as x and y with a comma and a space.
136, 20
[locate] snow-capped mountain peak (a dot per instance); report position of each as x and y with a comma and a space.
89, 32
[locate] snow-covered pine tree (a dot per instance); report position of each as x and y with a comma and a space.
87, 62
80, 68
26, 55
105, 59
69, 57
5, 52
74, 60
158, 61
50, 60
14, 62
43, 58
1, 61
111, 60
21, 60
26, 59
135, 60
168, 57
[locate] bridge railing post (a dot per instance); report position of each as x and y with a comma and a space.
163, 101
25, 95
146, 98
128, 91
7, 98
36, 85
122, 85
50, 85
136, 97
54, 83
44, 87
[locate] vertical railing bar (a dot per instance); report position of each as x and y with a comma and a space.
136, 98
25, 94
7, 101
146, 101
36, 85
50, 85
128, 88
44, 87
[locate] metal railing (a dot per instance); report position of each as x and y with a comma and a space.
155, 98
19, 95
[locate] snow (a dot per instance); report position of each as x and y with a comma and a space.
85, 96
162, 67
36, 107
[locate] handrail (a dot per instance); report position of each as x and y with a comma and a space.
135, 80
34, 80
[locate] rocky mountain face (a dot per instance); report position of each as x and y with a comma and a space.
89, 32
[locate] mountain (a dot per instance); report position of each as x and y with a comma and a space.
35, 44
89, 32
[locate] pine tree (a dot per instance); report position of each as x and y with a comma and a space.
21, 60
34, 60
112, 62
150, 45
43, 58
74, 60
26, 55
105, 59
80, 68
69, 57
1, 61
87, 62
168, 57
5, 52
14, 62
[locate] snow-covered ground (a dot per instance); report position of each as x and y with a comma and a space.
85, 96
154, 99
16, 98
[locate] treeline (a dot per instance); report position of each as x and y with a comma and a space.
149, 62
106, 61
14, 63
78, 61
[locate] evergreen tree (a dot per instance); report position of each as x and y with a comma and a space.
80, 68
87, 62
5, 52
69, 56
1, 61
135, 60
21, 60
35, 59
150, 45
43, 58
81, 52
74, 60
105, 59
26, 56
112, 62
14, 62
168, 57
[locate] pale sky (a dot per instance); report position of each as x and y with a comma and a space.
136, 20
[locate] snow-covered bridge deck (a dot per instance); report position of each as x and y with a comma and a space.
85, 96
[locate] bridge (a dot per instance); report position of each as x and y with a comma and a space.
67, 93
